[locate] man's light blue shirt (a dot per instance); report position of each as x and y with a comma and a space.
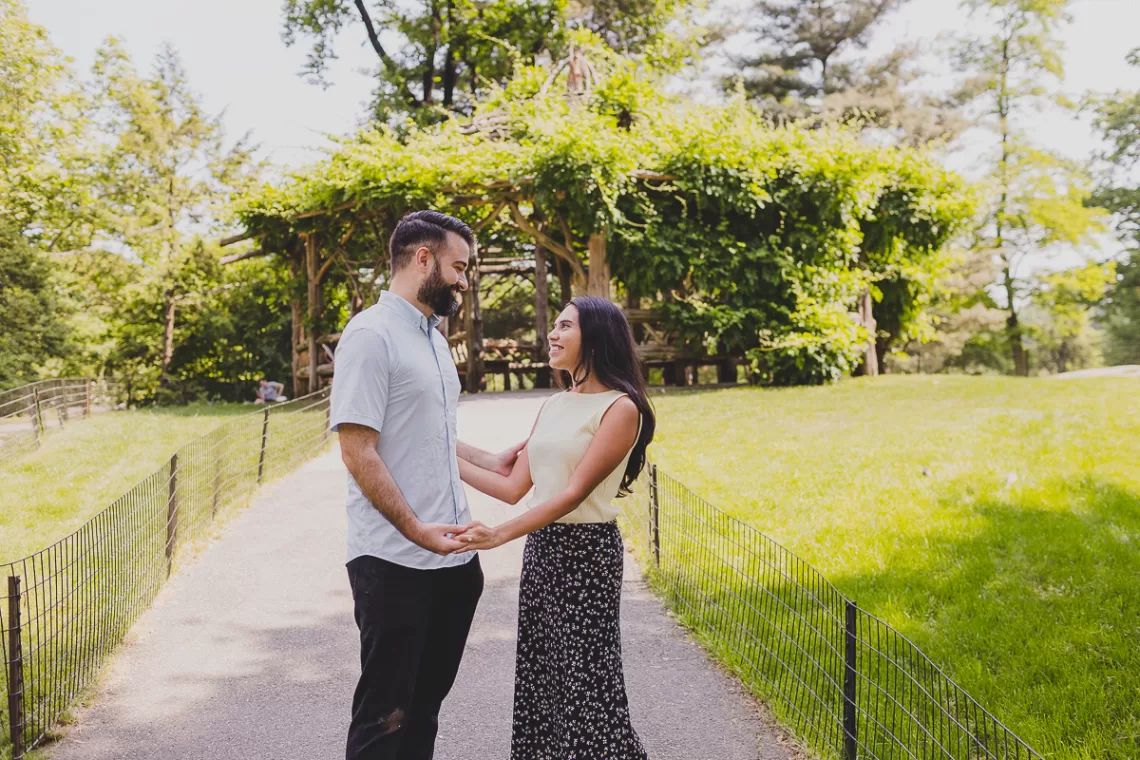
394, 374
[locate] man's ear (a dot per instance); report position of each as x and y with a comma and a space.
423, 257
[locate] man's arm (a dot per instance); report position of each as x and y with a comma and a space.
358, 450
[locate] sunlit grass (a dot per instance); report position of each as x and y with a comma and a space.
995, 522
79, 470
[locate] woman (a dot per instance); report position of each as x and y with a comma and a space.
586, 448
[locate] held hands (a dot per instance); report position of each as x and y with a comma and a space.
445, 539
439, 537
478, 536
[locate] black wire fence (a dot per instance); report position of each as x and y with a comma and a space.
25, 411
64, 609
849, 685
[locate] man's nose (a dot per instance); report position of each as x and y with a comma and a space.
462, 283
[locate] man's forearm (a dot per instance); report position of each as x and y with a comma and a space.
377, 483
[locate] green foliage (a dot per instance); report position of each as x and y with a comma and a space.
756, 239
1122, 315
1066, 300
1037, 199
448, 54
1118, 118
31, 327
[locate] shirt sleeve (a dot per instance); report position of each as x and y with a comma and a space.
361, 380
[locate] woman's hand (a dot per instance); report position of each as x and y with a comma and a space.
479, 536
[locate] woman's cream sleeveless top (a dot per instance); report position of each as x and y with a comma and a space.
565, 429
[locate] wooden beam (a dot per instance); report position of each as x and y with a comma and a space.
552, 245
541, 316
599, 283
256, 252
473, 327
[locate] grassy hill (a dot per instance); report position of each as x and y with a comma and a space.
994, 521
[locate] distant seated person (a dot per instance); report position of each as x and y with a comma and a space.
269, 391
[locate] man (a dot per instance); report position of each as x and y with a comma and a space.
268, 391
394, 403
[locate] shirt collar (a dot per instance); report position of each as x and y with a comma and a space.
406, 311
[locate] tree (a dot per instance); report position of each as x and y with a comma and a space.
447, 51
1038, 199
1065, 300
806, 69
43, 141
163, 176
31, 325
1118, 118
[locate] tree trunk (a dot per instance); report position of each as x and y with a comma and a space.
1013, 328
314, 294
474, 318
599, 271
870, 365
168, 340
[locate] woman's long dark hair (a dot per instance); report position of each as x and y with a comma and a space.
609, 353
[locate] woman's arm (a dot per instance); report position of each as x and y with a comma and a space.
615, 437
509, 488
501, 463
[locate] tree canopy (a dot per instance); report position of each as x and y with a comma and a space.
752, 238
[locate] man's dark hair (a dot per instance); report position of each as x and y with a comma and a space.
424, 229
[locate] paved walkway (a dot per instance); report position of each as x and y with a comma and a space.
251, 651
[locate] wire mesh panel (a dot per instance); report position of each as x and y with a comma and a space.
29, 412
848, 684
64, 609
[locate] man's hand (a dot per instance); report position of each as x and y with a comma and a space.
479, 536
504, 461
438, 537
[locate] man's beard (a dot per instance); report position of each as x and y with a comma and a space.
436, 293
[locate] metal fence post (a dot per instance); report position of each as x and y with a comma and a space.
264, 438
171, 512
654, 515
850, 727
15, 670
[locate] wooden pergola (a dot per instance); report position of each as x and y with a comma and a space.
314, 252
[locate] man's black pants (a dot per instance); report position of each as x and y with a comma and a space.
413, 628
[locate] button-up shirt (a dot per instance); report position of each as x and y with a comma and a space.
394, 374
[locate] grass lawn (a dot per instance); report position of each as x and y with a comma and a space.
47, 494
993, 521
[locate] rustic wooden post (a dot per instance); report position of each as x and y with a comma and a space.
87, 398
15, 669
599, 274
264, 441
298, 338
37, 426
474, 317
314, 296
541, 317
171, 512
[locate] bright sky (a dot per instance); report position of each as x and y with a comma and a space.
236, 59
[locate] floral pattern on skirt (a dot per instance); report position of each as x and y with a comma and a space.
570, 700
